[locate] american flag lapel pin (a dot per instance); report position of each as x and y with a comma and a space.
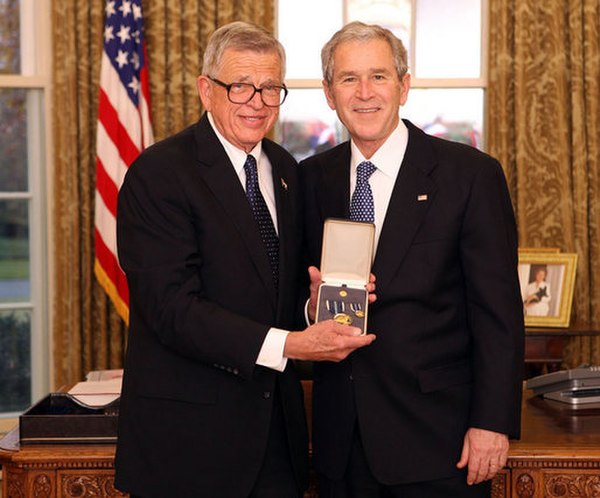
283, 184
422, 197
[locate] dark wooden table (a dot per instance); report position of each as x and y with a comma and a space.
558, 455
545, 346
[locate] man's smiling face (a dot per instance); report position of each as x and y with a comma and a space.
366, 92
244, 125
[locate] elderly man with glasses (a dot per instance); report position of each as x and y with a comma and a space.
209, 235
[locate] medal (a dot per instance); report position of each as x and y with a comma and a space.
357, 309
335, 307
343, 318
343, 293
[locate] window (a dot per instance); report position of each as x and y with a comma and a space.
445, 42
24, 83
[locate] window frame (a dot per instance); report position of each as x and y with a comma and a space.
36, 56
423, 83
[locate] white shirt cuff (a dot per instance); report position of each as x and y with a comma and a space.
271, 352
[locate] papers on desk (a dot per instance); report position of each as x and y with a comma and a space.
100, 392
116, 373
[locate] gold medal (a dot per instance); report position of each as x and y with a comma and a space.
357, 310
343, 318
343, 293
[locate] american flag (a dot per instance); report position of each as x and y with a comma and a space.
124, 130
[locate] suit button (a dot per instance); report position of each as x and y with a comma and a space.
267, 394
236, 371
350, 377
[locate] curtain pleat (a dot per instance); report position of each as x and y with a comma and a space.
88, 334
543, 125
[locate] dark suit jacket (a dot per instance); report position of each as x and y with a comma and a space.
195, 409
448, 315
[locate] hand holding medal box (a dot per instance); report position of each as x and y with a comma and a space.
346, 258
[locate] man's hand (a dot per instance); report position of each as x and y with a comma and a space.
315, 282
325, 341
485, 452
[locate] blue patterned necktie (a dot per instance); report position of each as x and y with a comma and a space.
262, 216
361, 205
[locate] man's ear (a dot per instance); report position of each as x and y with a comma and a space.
328, 94
405, 86
204, 88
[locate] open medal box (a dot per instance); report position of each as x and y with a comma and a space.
346, 258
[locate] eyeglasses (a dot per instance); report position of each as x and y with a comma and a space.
242, 93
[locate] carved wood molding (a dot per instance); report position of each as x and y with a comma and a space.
499, 485
65, 464
15, 483
42, 486
554, 464
572, 486
89, 485
525, 486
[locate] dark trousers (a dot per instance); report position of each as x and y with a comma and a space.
358, 482
276, 477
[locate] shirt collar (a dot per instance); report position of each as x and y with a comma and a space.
236, 155
386, 157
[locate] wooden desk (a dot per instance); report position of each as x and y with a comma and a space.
557, 457
544, 346
57, 471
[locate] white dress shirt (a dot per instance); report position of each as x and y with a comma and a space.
271, 352
387, 159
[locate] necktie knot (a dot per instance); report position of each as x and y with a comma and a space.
250, 169
364, 171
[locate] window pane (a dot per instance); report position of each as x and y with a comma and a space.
448, 39
455, 114
14, 252
392, 14
10, 60
15, 362
303, 28
13, 140
306, 123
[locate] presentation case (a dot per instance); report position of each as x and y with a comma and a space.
346, 258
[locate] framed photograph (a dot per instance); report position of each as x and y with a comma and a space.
547, 280
539, 249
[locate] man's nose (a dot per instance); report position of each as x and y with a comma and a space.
364, 89
256, 101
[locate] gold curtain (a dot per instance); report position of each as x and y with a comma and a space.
87, 332
543, 118
176, 33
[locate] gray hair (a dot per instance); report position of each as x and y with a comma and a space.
359, 31
240, 36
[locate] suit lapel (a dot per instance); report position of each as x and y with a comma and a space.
284, 211
335, 196
413, 193
221, 178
